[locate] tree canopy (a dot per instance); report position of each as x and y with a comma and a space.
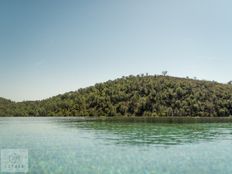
141, 95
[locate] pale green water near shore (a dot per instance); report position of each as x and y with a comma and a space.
62, 145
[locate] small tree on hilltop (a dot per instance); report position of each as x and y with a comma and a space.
164, 73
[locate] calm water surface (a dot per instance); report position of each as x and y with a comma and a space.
62, 145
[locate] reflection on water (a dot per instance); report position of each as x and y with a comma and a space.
72, 145
153, 134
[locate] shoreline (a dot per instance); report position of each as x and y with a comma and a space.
168, 119
173, 119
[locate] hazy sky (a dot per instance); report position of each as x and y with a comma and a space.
49, 47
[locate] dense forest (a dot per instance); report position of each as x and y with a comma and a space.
141, 95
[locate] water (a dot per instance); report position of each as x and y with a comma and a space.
61, 145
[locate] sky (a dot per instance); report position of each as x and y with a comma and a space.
49, 47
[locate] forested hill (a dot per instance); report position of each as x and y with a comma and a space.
133, 95
5, 106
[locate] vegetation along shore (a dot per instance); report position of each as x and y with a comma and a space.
134, 96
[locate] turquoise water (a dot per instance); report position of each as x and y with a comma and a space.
62, 145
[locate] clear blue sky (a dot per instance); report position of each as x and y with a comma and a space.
49, 47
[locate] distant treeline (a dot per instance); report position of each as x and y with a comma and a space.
141, 95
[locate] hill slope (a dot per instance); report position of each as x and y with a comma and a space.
133, 95
5, 106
